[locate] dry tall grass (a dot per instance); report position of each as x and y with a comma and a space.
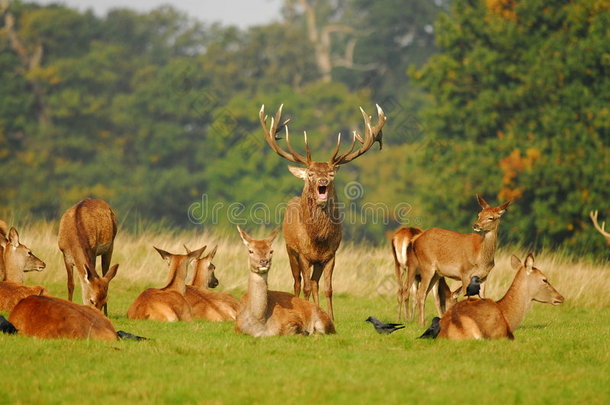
360, 270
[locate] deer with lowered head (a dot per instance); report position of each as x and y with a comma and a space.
443, 253
206, 304
168, 303
87, 230
476, 318
601, 229
15, 259
443, 297
312, 224
272, 313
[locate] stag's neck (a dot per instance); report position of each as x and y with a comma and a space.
257, 296
488, 249
321, 223
516, 302
175, 280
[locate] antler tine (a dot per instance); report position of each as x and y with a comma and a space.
371, 135
270, 136
600, 229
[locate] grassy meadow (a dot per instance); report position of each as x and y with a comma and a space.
560, 354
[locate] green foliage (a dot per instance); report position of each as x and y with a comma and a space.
521, 111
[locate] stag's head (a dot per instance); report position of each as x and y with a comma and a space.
489, 217
319, 176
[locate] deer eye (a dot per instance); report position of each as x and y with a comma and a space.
251, 251
545, 281
271, 252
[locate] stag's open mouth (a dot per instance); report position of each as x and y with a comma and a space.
322, 192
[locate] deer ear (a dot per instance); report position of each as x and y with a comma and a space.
529, 262
482, 202
515, 262
272, 235
3, 240
111, 272
165, 255
196, 254
211, 255
13, 237
502, 208
90, 274
244, 236
299, 172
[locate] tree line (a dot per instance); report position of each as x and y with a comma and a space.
157, 113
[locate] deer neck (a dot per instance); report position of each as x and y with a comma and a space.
516, 302
177, 275
321, 223
488, 249
257, 296
199, 279
13, 265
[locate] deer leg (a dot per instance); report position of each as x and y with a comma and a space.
69, 271
106, 257
410, 286
305, 269
427, 279
328, 286
318, 269
293, 257
411, 311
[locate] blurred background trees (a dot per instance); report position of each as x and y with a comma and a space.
158, 113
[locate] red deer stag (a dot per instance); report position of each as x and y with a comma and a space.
16, 258
205, 304
87, 230
443, 253
401, 240
312, 225
600, 229
476, 318
272, 313
168, 303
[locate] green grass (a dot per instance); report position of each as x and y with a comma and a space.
560, 355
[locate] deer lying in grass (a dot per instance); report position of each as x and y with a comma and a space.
16, 258
168, 303
601, 229
443, 297
205, 304
442, 253
87, 230
476, 318
272, 313
312, 224
56, 318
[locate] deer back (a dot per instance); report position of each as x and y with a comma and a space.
55, 318
11, 293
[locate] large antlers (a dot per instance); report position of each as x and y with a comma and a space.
371, 135
600, 229
270, 136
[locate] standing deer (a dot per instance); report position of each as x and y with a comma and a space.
600, 229
312, 225
87, 230
205, 304
443, 253
272, 313
401, 240
476, 318
168, 303
16, 259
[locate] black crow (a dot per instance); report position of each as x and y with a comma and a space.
384, 328
474, 287
128, 336
433, 330
6, 326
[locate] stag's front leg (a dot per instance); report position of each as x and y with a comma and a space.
295, 267
328, 286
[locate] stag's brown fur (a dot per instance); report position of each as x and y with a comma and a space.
11, 293
272, 313
168, 303
56, 318
87, 230
476, 318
